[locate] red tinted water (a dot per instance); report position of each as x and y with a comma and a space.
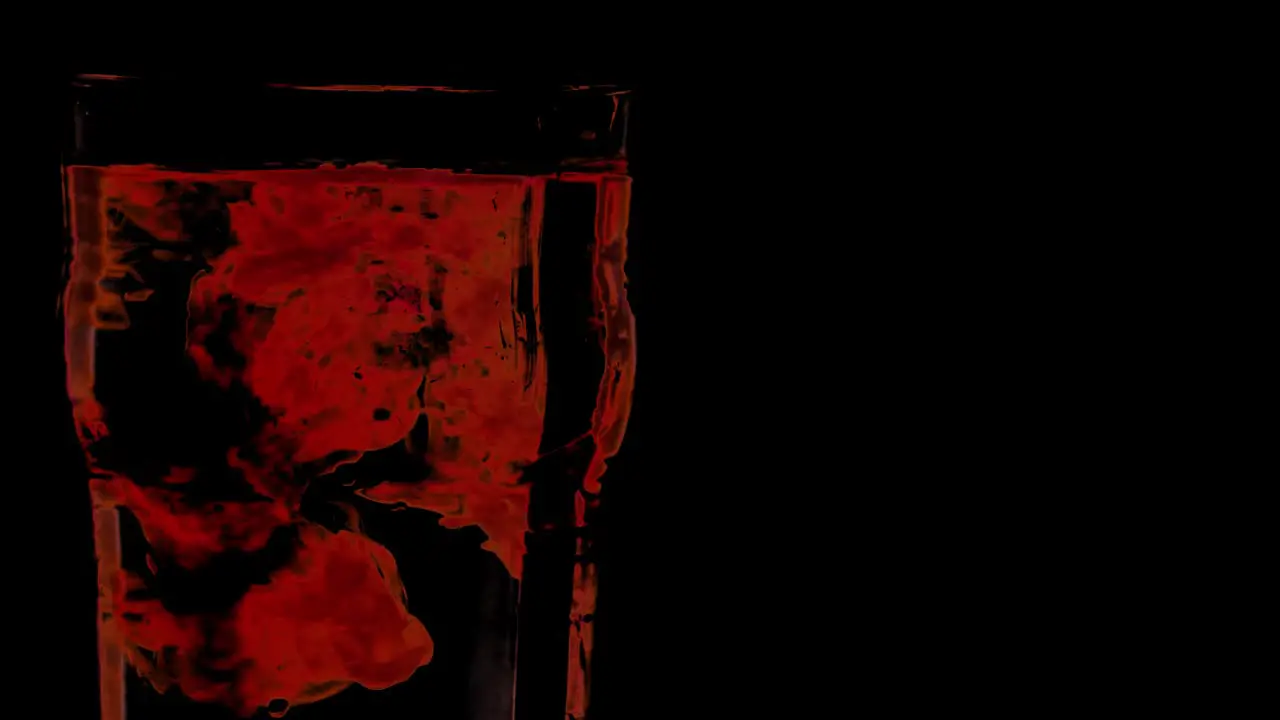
357, 303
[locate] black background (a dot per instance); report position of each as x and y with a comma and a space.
884, 333
686, 537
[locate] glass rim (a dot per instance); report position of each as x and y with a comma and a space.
461, 88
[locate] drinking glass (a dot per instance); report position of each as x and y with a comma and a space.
346, 363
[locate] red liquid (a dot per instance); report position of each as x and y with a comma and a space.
360, 308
